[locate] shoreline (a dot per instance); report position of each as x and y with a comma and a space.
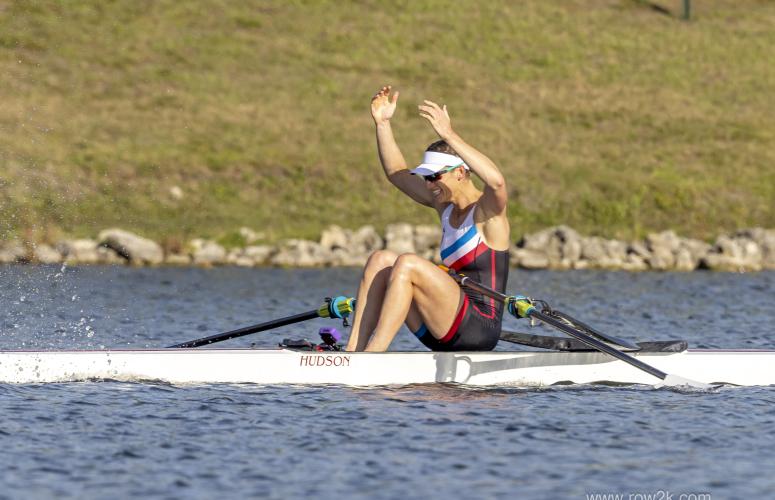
556, 248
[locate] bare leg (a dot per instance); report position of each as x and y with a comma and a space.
418, 284
371, 293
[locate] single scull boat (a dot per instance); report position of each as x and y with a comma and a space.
291, 366
589, 357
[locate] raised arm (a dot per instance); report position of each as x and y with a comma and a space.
494, 201
393, 162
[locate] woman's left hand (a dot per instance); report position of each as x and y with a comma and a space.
438, 118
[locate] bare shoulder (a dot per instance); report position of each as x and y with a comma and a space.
495, 229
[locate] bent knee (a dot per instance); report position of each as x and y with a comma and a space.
408, 264
380, 260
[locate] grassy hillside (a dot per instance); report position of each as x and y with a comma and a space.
609, 115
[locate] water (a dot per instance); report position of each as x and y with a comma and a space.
109, 439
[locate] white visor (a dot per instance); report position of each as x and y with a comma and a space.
433, 161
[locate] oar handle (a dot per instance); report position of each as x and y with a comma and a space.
337, 307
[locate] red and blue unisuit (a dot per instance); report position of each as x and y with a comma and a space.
477, 326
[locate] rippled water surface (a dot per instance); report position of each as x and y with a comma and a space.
109, 439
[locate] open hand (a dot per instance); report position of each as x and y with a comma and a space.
382, 106
438, 118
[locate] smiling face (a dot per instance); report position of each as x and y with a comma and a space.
444, 186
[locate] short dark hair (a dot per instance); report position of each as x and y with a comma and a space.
441, 147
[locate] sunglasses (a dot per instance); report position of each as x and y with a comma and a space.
436, 176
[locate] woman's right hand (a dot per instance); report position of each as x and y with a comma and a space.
382, 106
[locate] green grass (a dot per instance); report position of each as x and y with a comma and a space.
606, 115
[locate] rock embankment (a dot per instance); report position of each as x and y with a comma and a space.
558, 247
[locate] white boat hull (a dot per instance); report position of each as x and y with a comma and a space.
284, 366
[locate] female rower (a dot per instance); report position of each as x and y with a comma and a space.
397, 289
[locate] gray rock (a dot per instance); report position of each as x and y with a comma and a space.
243, 261
347, 259
571, 243
335, 237
615, 250
107, 255
582, 264
176, 192
553, 252
259, 254
233, 254
665, 251
667, 240
734, 254
684, 261
561, 245
571, 253
640, 249
530, 259
79, 251
358, 261
177, 259
601, 253
610, 263
661, 259
663, 247
339, 257
136, 249
536, 249
46, 254
399, 238
697, 249
634, 262
765, 238
752, 233
207, 252
593, 249
236, 257
426, 238
566, 233
752, 254
365, 241
12, 251
538, 241
301, 253
690, 254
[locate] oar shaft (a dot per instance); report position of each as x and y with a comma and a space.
590, 341
600, 346
600, 336
297, 318
334, 307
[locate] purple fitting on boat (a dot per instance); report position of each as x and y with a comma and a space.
330, 335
